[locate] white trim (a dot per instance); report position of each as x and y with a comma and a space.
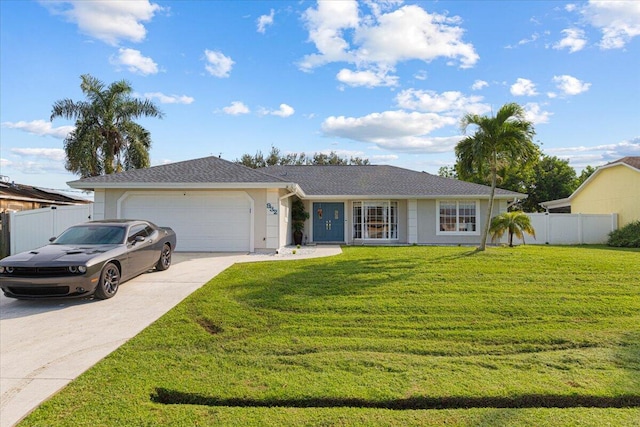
457, 232
361, 197
183, 185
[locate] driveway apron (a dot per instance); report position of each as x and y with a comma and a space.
44, 345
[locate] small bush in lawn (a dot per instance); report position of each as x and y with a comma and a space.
626, 237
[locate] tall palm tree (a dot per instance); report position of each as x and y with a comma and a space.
499, 140
515, 223
106, 139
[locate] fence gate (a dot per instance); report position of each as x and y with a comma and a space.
33, 228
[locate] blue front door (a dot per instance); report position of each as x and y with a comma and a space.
328, 222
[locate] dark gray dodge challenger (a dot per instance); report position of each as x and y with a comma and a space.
88, 259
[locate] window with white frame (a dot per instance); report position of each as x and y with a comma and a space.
457, 216
375, 220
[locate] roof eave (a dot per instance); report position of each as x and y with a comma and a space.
177, 185
414, 196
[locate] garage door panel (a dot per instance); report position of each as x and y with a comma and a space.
203, 221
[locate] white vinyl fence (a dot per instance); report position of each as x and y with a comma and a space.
570, 229
33, 228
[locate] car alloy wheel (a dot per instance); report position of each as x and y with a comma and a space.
109, 282
165, 258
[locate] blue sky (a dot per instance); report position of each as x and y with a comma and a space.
383, 80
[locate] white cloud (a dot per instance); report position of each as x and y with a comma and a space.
236, 108
369, 78
619, 21
264, 21
326, 25
523, 87
108, 21
570, 85
218, 65
398, 130
581, 156
40, 127
56, 154
169, 99
384, 158
450, 102
134, 62
421, 75
570, 7
412, 33
377, 42
479, 84
533, 112
284, 111
533, 38
573, 40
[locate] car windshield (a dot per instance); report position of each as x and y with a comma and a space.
91, 235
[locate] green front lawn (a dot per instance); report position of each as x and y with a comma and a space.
419, 336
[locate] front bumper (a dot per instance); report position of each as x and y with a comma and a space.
49, 287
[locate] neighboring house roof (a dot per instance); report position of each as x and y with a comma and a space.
28, 193
632, 162
207, 170
379, 181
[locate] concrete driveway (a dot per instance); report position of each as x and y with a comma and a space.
44, 345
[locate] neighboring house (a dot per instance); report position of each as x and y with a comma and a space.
612, 188
18, 197
217, 205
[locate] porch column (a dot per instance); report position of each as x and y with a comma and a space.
273, 219
412, 221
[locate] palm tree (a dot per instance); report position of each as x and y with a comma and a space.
499, 140
106, 139
515, 223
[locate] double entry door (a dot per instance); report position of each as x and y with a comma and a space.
328, 222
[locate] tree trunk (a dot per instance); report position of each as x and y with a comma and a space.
487, 221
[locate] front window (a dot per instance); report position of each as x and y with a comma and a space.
375, 220
457, 216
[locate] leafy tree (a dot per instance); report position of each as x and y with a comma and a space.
584, 175
500, 140
276, 158
106, 139
448, 172
553, 179
515, 223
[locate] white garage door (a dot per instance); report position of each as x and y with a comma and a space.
216, 221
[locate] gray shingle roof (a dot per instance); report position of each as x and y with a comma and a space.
370, 180
204, 170
376, 180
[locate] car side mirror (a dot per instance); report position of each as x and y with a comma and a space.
139, 239
52, 239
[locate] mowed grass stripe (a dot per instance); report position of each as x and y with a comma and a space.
384, 328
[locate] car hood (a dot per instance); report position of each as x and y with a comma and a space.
57, 254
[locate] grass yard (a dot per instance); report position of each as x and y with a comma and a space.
526, 336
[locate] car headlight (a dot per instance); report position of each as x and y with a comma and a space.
1, 269
8, 270
75, 269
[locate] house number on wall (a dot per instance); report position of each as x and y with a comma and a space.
272, 209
